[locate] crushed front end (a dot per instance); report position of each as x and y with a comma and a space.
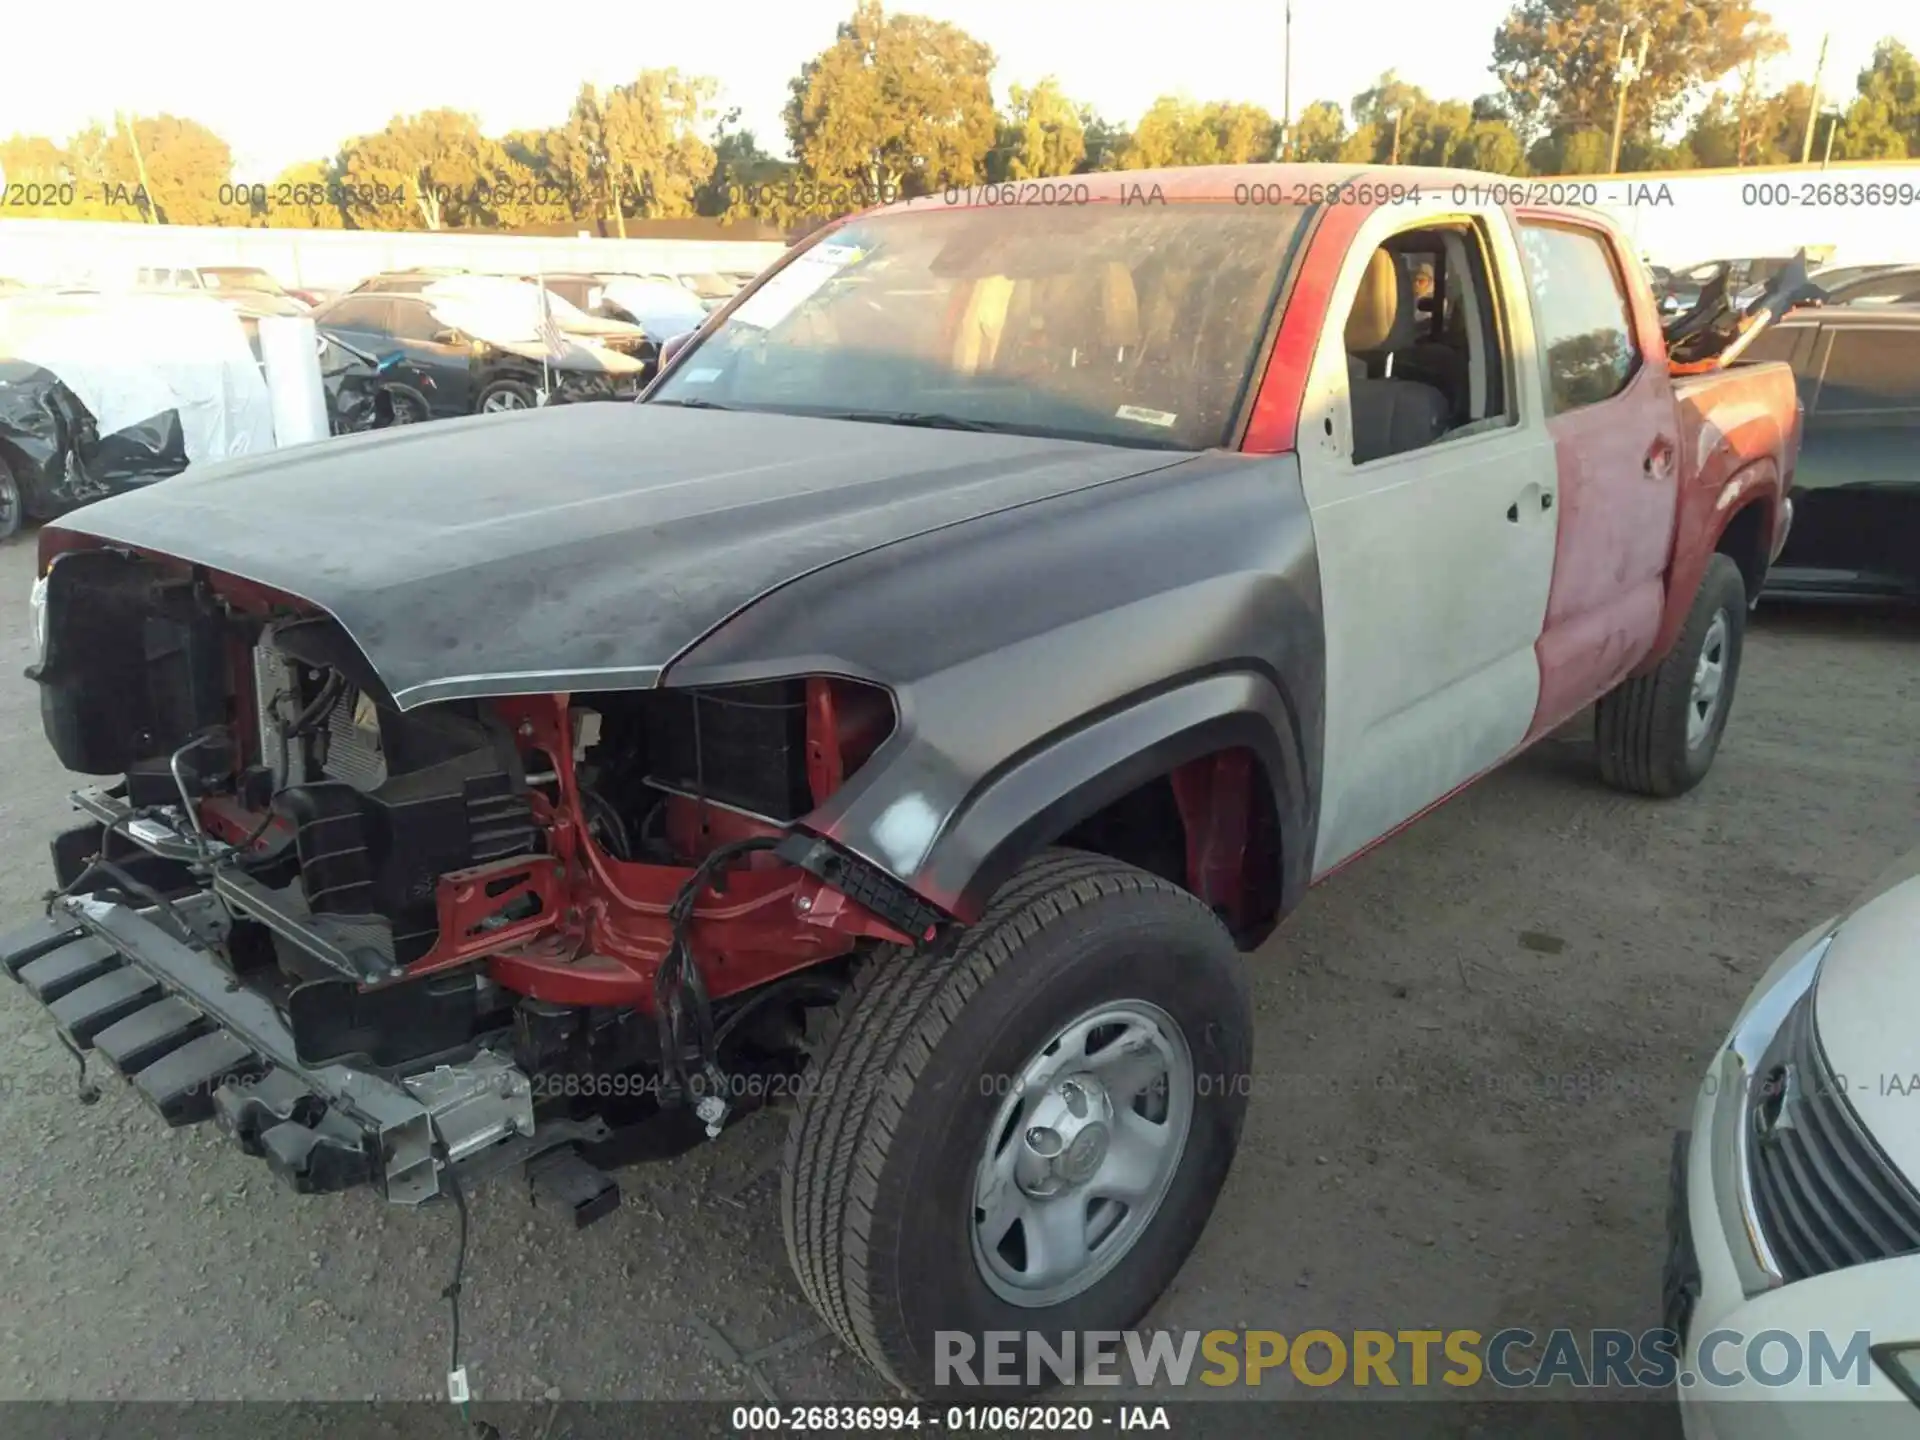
558, 932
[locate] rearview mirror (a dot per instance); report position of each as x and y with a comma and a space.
673, 347
449, 337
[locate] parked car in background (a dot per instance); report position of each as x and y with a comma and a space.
1794, 1194
461, 355
1856, 528
582, 289
518, 304
246, 287
102, 393
659, 306
714, 290
434, 378
1821, 281
982, 635
1745, 280
405, 282
1891, 285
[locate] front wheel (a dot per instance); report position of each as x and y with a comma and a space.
1024, 1133
1657, 734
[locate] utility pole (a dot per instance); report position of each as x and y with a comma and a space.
1813, 102
1286, 91
1746, 111
1833, 124
1394, 159
146, 192
1625, 72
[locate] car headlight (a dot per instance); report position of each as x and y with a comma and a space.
1902, 1365
37, 603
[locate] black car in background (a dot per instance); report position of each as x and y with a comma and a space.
434, 378
444, 371
1856, 497
1880, 285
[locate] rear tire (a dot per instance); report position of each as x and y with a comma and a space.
13, 509
505, 395
937, 1093
1657, 734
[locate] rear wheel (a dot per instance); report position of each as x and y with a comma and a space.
1027, 1132
506, 395
1657, 734
12, 506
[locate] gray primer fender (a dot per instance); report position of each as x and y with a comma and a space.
1047, 658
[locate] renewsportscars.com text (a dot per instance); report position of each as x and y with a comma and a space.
1511, 1359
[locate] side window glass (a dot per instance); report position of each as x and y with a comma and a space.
1425, 361
1870, 371
414, 321
1581, 318
355, 315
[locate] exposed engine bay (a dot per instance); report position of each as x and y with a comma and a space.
584, 921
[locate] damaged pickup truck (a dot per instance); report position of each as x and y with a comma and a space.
983, 633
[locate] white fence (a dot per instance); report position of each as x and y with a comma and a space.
76, 252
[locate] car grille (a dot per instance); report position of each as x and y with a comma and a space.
1825, 1195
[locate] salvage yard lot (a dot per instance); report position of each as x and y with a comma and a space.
1471, 1049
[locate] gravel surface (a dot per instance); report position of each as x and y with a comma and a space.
1471, 1049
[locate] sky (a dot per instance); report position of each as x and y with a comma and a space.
280, 83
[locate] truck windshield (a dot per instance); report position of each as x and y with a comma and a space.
1127, 324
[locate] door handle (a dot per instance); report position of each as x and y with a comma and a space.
1513, 510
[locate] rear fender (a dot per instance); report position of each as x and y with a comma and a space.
1738, 434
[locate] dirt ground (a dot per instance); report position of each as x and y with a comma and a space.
1472, 1047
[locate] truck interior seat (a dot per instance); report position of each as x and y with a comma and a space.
1390, 416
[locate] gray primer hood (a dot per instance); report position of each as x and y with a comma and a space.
581, 546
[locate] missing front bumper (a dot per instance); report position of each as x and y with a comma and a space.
194, 1043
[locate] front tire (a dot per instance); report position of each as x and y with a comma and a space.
1026, 1132
1657, 734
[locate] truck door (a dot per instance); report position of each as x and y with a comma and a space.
1615, 436
1433, 505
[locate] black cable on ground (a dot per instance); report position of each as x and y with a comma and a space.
452, 1293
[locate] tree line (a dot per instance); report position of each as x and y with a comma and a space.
900, 104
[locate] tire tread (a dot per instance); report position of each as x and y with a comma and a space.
879, 1042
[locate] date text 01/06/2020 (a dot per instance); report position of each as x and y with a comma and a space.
983, 1419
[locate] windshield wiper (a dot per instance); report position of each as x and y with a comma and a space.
923, 419
693, 404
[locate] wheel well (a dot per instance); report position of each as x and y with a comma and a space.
1745, 542
1210, 826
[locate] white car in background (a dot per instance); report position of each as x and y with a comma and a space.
246, 288
1796, 1193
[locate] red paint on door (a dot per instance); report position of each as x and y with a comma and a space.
1619, 466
